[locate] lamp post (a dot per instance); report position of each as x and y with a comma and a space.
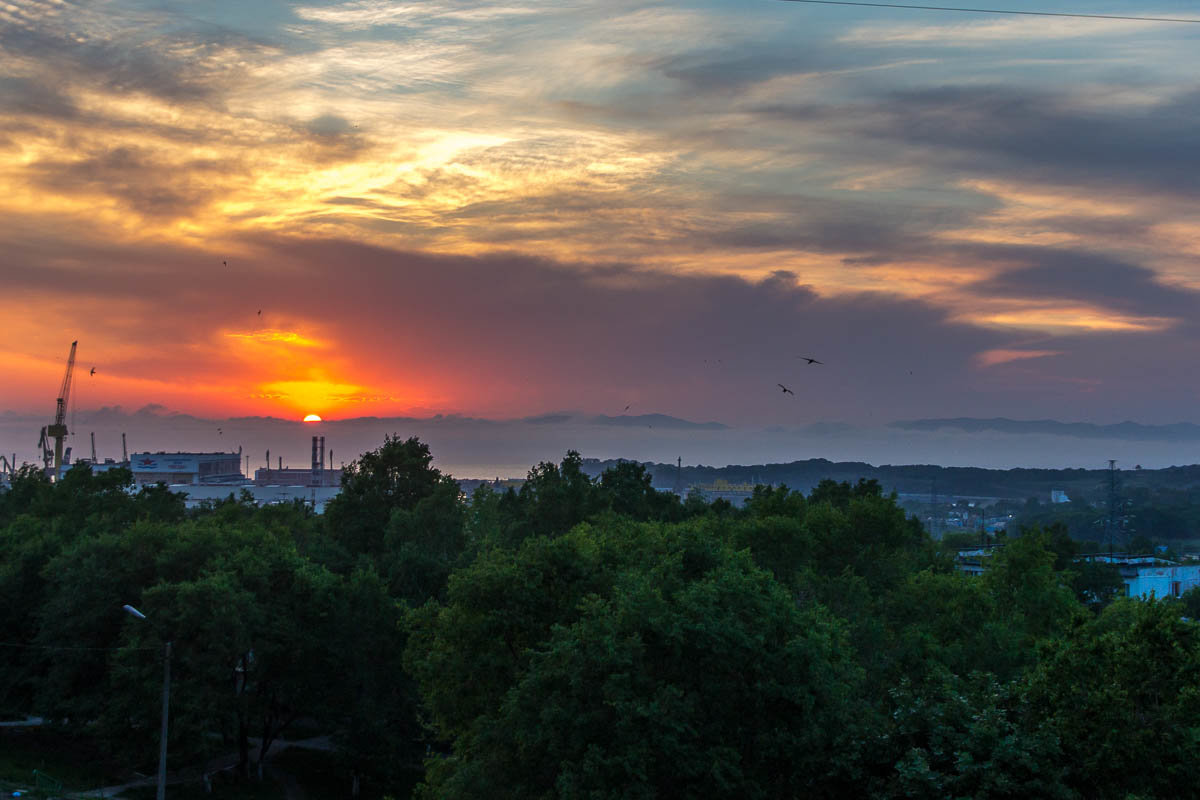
166, 696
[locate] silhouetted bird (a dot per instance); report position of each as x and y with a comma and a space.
626, 409
93, 372
226, 263
810, 360
260, 312
785, 389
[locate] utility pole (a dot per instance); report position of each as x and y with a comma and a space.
166, 701
1112, 503
933, 499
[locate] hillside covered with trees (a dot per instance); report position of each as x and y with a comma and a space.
922, 479
586, 637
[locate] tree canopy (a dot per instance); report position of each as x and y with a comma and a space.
591, 637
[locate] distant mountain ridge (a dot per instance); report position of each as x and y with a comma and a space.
661, 420
1085, 430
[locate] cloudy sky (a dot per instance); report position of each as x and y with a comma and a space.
373, 208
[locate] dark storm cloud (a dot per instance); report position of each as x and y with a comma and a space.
1086, 277
1156, 147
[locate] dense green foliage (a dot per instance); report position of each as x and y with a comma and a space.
591, 637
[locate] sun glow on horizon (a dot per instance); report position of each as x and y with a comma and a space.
312, 418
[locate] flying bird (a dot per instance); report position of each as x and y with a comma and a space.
810, 360
785, 389
260, 312
626, 409
93, 372
226, 263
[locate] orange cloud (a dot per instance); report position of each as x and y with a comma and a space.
990, 358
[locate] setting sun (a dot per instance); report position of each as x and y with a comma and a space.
312, 418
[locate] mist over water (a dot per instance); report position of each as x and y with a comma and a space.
482, 448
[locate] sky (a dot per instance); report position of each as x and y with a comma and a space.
497, 211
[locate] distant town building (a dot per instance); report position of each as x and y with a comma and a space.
736, 494
973, 560
1147, 575
1144, 576
1059, 496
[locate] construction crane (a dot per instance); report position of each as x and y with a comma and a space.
58, 430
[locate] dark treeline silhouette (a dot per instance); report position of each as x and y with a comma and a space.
920, 479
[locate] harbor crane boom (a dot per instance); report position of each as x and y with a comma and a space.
58, 430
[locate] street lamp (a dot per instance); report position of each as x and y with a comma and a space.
166, 695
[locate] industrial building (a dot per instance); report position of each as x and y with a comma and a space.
316, 475
197, 469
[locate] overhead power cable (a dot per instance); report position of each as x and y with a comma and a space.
994, 11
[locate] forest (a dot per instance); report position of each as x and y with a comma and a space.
582, 637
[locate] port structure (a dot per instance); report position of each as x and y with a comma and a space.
52, 459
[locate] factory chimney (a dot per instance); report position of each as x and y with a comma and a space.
268, 464
124, 450
314, 464
321, 461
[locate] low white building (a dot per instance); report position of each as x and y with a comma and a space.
1150, 576
1144, 576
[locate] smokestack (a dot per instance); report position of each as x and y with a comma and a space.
331, 459
268, 464
124, 450
322, 461
280, 464
314, 464
93, 447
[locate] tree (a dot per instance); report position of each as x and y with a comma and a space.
627, 489
1119, 691
422, 544
552, 500
646, 662
378, 731
962, 737
1022, 581
396, 477
767, 501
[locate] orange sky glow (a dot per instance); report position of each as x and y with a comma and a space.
505, 211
